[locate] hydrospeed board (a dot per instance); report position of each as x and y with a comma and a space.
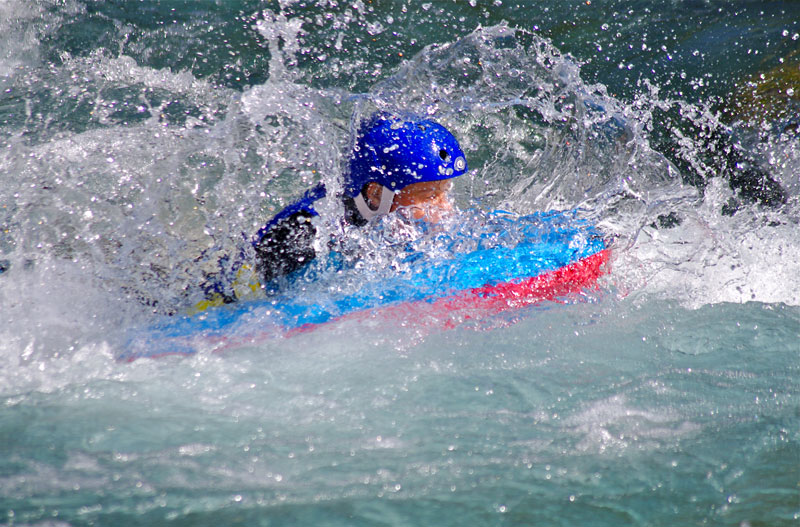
508, 263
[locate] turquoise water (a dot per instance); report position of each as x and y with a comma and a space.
138, 140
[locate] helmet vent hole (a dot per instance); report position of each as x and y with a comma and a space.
443, 154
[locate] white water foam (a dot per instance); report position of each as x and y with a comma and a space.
712, 258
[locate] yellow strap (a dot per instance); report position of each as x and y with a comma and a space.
216, 300
245, 287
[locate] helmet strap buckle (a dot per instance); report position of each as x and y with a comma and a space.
384, 205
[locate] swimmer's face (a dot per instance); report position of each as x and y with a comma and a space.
428, 201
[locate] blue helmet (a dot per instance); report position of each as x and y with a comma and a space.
396, 152
393, 152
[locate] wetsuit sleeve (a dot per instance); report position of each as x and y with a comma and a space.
286, 246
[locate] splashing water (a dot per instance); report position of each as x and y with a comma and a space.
141, 145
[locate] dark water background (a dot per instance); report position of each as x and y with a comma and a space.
139, 140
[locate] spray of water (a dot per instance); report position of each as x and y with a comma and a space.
125, 181
142, 181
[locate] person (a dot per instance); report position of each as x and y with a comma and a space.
398, 164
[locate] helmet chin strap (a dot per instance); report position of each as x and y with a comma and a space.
384, 205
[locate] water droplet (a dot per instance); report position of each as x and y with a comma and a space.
375, 28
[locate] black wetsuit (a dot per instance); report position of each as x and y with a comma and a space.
287, 245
